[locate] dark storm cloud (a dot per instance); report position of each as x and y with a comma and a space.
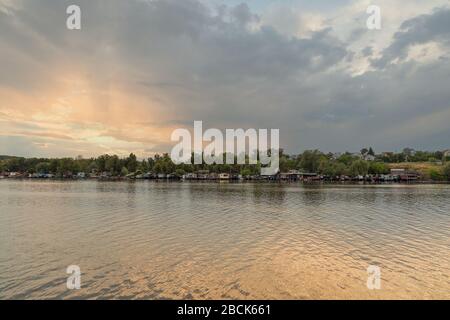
216, 66
367, 51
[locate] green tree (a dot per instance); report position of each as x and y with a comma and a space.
43, 167
439, 155
359, 168
101, 162
378, 168
286, 163
16, 165
340, 169
310, 160
92, 167
143, 166
333, 169
113, 165
151, 163
132, 163
446, 172
157, 168
326, 167
245, 172
66, 166
53, 166
347, 158
168, 165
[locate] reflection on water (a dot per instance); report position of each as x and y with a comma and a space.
154, 240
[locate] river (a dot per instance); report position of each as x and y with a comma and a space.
193, 240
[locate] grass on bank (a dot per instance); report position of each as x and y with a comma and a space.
428, 170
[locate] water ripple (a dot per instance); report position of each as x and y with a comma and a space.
147, 240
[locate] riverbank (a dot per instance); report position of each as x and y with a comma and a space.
237, 181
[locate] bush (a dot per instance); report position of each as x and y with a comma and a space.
180, 172
246, 172
124, 171
378, 168
446, 172
435, 175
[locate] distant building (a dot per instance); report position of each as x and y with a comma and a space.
105, 174
190, 176
397, 172
336, 155
405, 175
446, 154
291, 175
15, 175
368, 157
409, 152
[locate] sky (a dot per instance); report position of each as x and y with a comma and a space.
139, 69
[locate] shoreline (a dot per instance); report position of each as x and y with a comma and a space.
234, 181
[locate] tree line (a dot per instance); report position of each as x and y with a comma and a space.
310, 161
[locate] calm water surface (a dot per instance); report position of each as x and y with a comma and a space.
155, 240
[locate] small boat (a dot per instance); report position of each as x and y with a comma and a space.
224, 176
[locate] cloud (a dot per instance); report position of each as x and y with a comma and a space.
434, 27
139, 69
